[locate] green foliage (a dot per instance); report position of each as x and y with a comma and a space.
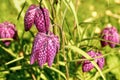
78, 24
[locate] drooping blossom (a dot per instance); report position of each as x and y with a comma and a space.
87, 65
110, 34
42, 20
7, 30
29, 17
45, 47
38, 16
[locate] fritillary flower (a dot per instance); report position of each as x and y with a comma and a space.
38, 16
7, 30
87, 65
42, 20
45, 47
110, 34
29, 17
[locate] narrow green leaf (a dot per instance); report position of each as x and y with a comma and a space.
76, 49
14, 60
66, 3
56, 70
8, 51
70, 6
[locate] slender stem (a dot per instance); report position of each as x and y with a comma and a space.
9, 51
97, 38
14, 60
79, 60
63, 48
6, 39
40, 3
21, 10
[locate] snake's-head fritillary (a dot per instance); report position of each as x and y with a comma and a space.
42, 20
87, 65
45, 47
7, 30
29, 17
39, 16
110, 36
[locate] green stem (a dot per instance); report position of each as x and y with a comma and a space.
9, 51
97, 38
79, 60
63, 48
14, 60
6, 39
21, 10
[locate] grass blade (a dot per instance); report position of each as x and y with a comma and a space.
76, 49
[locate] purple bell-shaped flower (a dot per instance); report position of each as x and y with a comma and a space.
42, 20
7, 30
87, 65
45, 47
29, 17
39, 16
111, 36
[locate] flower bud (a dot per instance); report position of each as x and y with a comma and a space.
111, 36
44, 49
7, 30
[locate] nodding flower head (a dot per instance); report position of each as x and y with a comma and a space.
7, 30
29, 17
42, 20
39, 16
44, 48
87, 65
111, 36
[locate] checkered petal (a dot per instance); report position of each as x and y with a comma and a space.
39, 49
44, 49
29, 17
114, 38
110, 34
100, 61
51, 52
7, 30
56, 41
42, 56
42, 20
87, 66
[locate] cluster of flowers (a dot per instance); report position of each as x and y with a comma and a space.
109, 37
46, 44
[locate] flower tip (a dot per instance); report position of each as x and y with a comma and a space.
31, 62
32, 59
49, 64
7, 43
